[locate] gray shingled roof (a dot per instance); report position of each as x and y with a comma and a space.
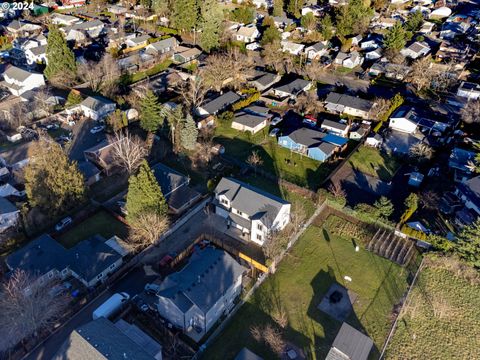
17, 153
350, 343
163, 44
266, 79
17, 73
307, 137
254, 202
293, 87
203, 281
100, 339
248, 120
327, 148
220, 102
6, 207
88, 258
350, 101
39, 50
96, 102
335, 125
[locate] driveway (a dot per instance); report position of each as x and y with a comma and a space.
83, 139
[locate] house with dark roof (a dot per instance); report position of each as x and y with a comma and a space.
102, 339
102, 155
194, 298
348, 105
312, 143
416, 50
292, 89
350, 344
18, 80
251, 210
469, 90
317, 50
264, 80
16, 157
9, 215
459, 162
90, 261
469, 192
175, 188
253, 123
218, 104
90, 172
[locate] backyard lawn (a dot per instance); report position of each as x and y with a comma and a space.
277, 160
318, 260
371, 161
441, 320
101, 223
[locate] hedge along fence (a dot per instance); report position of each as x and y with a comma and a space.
247, 101
397, 101
417, 234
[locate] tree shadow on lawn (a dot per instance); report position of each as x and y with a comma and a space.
321, 284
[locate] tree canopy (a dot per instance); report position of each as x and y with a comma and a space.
210, 23
52, 182
188, 133
395, 38
354, 18
60, 59
151, 113
144, 194
185, 14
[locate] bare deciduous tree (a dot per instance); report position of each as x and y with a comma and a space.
429, 199
421, 74
27, 306
314, 71
307, 103
101, 76
204, 153
421, 151
147, 229
255, 160
274, 338
298, 215
336, 190
17, 115
381, 107
128, 151
471, 112
193, 91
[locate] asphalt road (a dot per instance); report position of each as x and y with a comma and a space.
83, 139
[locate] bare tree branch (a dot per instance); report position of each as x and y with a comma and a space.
147, 229
128, 151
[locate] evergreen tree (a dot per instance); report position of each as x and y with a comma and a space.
144, 195
60, 59
185, 14
188, 133
174, 121
270, 35
294, 8
211, 21
326, 27
354, 18
73, 98
52, 182
243, 14
395, 38
414, 21
277, 8
384, 207
161, 7
469, 244
151, 113
309, 21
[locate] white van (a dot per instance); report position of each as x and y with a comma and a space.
111, 306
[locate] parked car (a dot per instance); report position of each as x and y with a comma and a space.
274, 132
310, 120
276, 120
111, 306
97, 129
63, 223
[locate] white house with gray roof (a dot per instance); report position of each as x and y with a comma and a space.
218, 104
94, 107
194, 298
162, 47
292, 89
416, 50
251, 210
18, 80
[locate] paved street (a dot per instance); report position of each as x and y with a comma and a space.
83, 139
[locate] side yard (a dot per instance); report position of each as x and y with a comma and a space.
101, 223
441, 319
371, 161
277, 160
318, 260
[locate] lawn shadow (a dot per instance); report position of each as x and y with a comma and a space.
321, 284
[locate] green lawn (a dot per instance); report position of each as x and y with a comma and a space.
441, 320
150, 72
277, 160
317, 261
372, 162
101, 223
